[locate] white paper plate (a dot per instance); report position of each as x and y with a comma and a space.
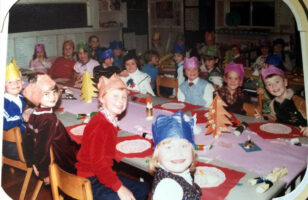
78, 130
276, 128
173, 106
207, 177
133, 146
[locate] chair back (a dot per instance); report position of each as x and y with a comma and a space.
168, 82
14, 135
250, 109
74, 186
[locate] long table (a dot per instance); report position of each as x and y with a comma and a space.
219, 155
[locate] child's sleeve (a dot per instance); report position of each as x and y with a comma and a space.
180, 96
10, 120
101, 151
208, 94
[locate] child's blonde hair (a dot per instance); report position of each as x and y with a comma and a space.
154, 161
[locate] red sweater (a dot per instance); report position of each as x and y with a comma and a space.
95, 157
62, 68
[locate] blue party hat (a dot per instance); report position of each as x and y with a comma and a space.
172, 127
102, 55
274, 59
115, 45
178, 48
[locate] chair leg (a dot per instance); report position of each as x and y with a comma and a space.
25, 184
37, 189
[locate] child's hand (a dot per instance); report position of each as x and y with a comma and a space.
125, 194
35, 170
124, 73
260, 91
304, 130
26, 114
258, 115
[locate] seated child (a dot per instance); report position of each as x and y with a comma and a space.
285, 107
93, 42
63, 67
231, 92
97, 152
45, 130
116, 47
105, 58
237, 57
178, 57
136, 80
195, 90
211, 61
84, 62
14, 105
264, 49
40, 63
174, 159
151, 57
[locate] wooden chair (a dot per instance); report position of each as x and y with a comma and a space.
250, 109
14, 135
166, 82
74, 186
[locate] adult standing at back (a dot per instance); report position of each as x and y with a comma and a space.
63, 67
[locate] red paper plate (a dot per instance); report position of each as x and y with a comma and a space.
178, 105
220, 192
131, 140
279, 130
72, 131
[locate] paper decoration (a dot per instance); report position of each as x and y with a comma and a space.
217, 118
88, 90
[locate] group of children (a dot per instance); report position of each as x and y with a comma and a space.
174, 157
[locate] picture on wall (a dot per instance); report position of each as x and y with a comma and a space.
164, 10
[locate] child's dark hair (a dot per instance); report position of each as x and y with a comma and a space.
149, 54
130, 56
91, 37
34, 54
107, 72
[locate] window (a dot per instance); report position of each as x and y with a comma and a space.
256, 13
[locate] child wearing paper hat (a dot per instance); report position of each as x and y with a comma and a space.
231, 92
97, 152
286, 107
40, 62
178, 57
44, 130
14, 104
211, 62
195, 90
84, 61
173, 159
117, 47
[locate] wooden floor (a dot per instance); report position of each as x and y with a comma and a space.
12, 182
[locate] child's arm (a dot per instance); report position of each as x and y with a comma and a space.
208, 94
304, 130
11, 121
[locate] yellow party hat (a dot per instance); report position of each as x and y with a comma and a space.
14, 63
12, 71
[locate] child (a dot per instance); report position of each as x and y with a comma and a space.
93, 42
174, 159
231, 92
63, 67
178, 57
84, 63
264, 49
40, 63
117, 53
45, 130
211, 61
105, 58
95, 158
237, 57
285, 107
14, 105
156, 45
136, 80
151, 57
195, 90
